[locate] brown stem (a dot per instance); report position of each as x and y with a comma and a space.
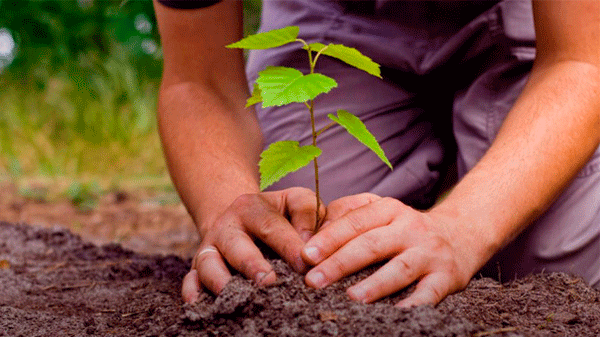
314, 143
325, 128
315, 134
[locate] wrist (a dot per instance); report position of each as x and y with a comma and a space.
474, 237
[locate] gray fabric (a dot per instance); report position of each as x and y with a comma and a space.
452, 71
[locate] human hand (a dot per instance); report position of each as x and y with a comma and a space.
283, 220
363, 229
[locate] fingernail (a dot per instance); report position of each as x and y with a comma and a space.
260, 276
357, 293
316, 279
313, 254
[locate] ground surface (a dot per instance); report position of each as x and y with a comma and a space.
55, 283
139, 219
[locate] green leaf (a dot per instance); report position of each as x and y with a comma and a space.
255, 98
357, 128
281, 85
282, 158
266, 40
349, 55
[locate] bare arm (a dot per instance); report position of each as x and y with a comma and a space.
551, 132
212, 145
211, 142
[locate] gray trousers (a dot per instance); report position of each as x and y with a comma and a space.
451, 72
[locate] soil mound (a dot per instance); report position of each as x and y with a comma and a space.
55, 284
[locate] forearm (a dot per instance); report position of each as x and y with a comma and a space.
551, 132
211, 144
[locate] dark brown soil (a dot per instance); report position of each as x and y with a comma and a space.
55, 284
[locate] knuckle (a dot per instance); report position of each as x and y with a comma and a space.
392, 205
303, 207
329, 242
406, 269
391, 201
337, 265
299, 191
267, 228
374, 245
435, 293
244, 201
420, 227
368, 197
355, 224
439, 244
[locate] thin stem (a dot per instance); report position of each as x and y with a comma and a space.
314, 62
315, 134
302, 41
325, 128
314, 143
310, 59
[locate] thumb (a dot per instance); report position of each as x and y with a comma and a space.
339, 207
299, 205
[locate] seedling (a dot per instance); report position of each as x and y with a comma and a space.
278, 86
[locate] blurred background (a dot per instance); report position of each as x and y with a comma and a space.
78, 89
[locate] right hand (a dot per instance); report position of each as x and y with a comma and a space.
283, 220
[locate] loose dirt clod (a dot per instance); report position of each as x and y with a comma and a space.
55, 284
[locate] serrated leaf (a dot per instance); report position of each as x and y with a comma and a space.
281, 85
266, 40
255, 98
358, 129
349, 55
282, 158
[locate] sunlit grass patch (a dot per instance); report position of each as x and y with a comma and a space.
78, 89
62, 130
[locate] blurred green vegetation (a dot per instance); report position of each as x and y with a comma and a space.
78, 88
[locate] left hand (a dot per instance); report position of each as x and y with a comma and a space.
363, 229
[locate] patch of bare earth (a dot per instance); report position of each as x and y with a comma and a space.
54, 283
141, 220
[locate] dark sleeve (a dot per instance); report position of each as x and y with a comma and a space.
188, 4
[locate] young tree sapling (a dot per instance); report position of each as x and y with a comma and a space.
278, 86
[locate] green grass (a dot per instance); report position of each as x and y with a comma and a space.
77, 105
100, 124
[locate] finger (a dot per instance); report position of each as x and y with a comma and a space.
337, 208
351, 225
432, 289
190, 288
392, 277
371, 247
266, 223
240, 251
301, 204
211, 270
